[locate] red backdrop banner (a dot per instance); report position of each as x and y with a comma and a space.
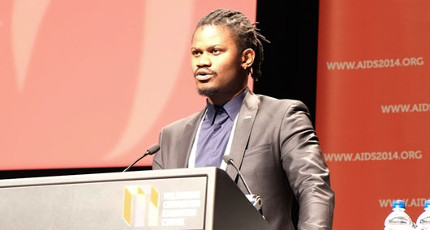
373, 107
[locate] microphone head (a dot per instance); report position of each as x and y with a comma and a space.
227, 159
153, 149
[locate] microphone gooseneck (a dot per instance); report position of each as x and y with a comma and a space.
254, 199
153, 149
227, 159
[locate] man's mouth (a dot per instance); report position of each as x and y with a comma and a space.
204, 74
203, 77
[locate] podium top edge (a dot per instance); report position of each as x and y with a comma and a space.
111, 176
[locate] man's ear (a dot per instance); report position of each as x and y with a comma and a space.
248, 56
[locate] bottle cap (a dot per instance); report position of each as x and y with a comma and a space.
427, 204
399, 204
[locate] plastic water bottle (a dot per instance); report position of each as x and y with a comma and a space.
398, 219
423, 221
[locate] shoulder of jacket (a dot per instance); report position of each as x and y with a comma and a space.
264, 98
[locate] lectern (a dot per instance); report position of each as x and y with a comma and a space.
201, 198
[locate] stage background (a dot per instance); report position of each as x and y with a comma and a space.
74, 81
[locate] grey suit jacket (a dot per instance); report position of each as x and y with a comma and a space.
278, 153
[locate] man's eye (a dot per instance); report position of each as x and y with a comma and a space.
195, 52
216, 51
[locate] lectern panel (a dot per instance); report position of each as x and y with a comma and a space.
201, 198
172, 203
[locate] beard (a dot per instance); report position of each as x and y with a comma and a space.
208, 92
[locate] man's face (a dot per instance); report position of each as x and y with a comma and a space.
216, 63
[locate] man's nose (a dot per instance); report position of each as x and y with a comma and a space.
204, 60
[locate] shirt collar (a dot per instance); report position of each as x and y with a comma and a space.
232, 107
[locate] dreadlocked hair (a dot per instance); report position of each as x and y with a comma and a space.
247, 34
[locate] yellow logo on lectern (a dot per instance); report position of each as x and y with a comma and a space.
141, 206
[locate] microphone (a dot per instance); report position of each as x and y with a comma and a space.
153, 149
254, 199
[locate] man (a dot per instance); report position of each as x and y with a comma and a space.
272, 141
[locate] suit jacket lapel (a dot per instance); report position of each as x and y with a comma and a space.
245, 121
187, 139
